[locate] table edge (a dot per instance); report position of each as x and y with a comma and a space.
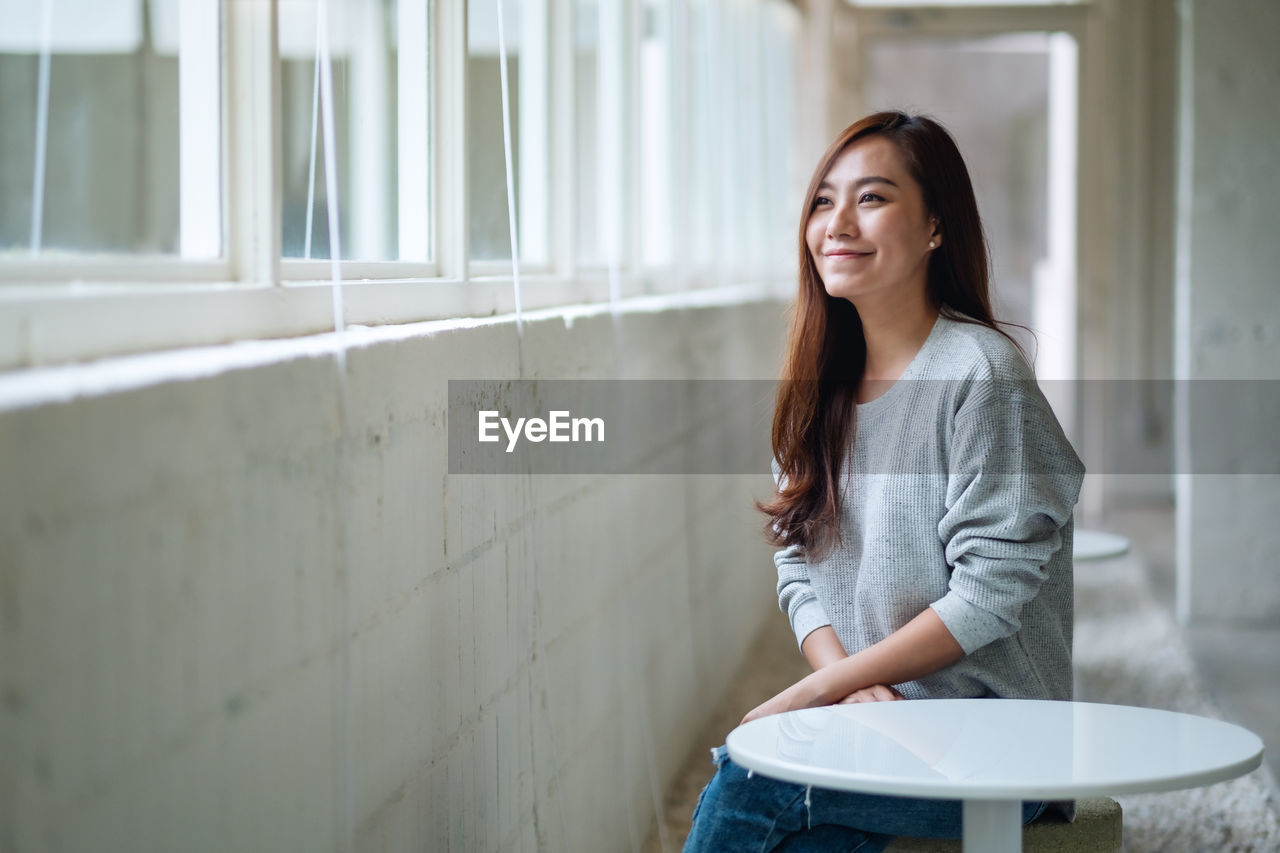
894, 788
931, 789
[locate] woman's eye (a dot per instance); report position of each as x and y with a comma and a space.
865, 197
820, 201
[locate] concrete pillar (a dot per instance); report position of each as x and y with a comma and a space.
1227, 309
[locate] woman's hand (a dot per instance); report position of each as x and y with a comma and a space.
922, 646
808, 693
874, 693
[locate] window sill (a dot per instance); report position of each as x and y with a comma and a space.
146, 337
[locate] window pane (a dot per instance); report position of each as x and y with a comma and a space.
741, 247
382, 207
97, 156
525, 39
703, 101
784, 186
588, 239
655, 134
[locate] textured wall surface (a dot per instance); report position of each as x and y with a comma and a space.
1229, 301
252, 610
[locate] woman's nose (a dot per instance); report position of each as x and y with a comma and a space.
843, 221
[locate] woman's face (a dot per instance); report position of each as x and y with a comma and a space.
869, 231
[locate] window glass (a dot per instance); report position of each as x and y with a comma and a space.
588, 238
364, 41
655, 134
784, 188
95, 154
524, 39
741, 243
701, 120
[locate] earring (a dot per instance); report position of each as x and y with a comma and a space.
933, 245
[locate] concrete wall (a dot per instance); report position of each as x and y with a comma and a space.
1227, 300
248, 608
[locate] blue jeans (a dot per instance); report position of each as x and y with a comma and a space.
738, 811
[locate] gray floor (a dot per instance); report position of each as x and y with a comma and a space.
1238, 666
1241, 670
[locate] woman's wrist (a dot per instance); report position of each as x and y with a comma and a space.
824, 688
833, 683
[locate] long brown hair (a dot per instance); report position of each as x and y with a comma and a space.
813, 420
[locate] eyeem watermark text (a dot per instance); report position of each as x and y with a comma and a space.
560, 426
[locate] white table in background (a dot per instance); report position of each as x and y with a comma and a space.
1097, 545
994, 753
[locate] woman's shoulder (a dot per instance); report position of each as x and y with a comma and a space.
967, 349
988, 377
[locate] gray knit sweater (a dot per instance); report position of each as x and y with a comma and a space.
957, 495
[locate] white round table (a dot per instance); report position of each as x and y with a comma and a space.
994, 753
1097, 545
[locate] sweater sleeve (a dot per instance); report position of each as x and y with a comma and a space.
796, 596
1012, 483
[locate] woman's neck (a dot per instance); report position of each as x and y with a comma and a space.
894, 335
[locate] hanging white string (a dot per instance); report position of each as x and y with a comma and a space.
511, 185
344, 805
540, 653
42, 126
331, 171
311, 164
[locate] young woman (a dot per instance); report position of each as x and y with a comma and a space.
925, 489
